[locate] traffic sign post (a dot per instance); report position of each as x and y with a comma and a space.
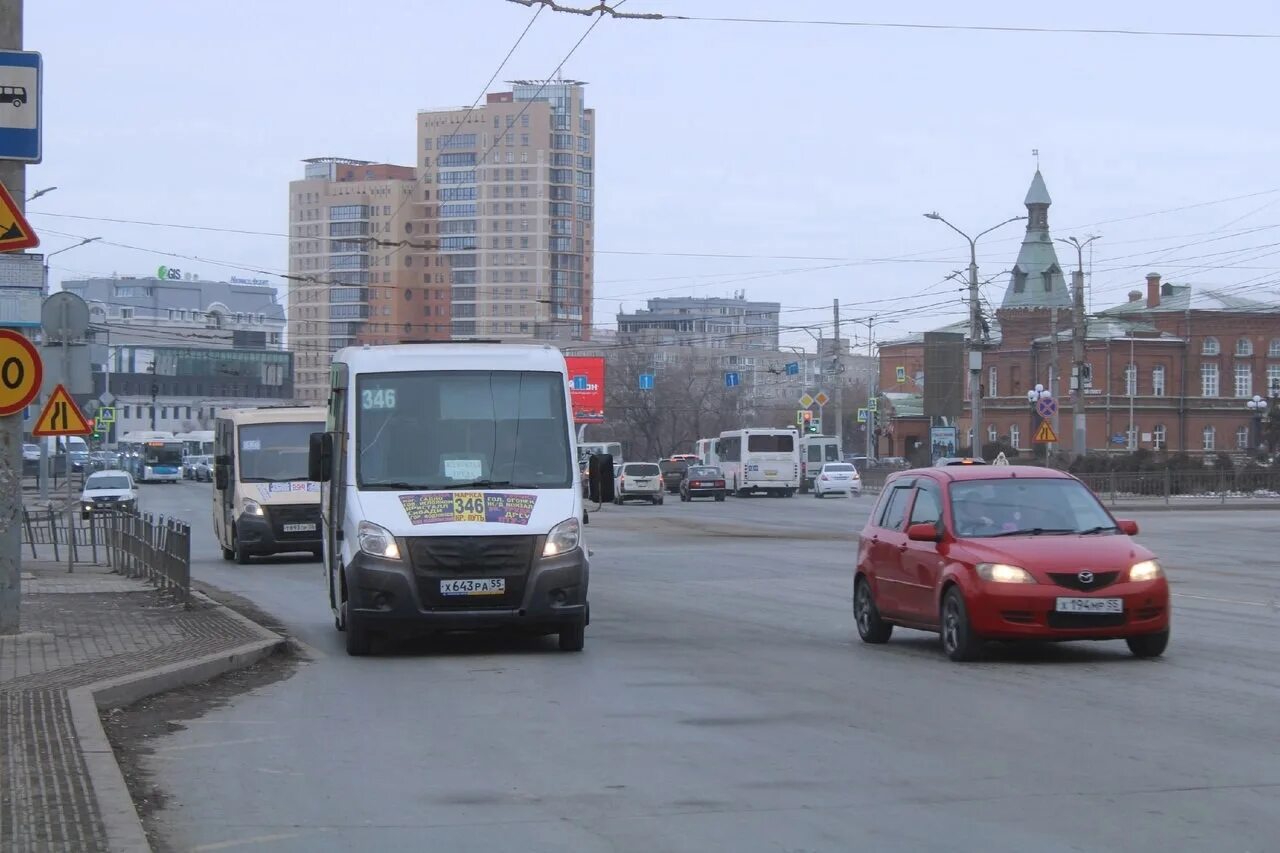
61, 417
21, 372
1045, 435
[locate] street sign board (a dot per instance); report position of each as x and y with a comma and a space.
21, 372
1045, 435
873, 404
821, 398
901, 374
107, 414
64, 316
806, 400
106, 398
646, 381
21, 80
862, 416
732, 380
800, 413
1047, 406
793, 368
61, 416
16, 232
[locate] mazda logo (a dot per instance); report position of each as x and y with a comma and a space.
1085, 577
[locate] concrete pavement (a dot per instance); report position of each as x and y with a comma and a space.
724, 703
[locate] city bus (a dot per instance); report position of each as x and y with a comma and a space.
760, 460
151, 456
196, 443
263, 502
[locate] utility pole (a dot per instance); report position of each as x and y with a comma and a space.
1053, 371
1080, 434
836, 368
976, 343
14, 176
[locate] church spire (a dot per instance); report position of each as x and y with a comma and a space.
1037, 280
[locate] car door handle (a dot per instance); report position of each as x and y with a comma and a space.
903, 547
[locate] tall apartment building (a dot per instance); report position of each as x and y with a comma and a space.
354, 277
511, 191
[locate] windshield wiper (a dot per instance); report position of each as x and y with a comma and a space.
416, 487
1033, 531
1101, 528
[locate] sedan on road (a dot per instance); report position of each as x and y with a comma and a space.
837, 478
639, 481
702, 481
106, 491
979, 553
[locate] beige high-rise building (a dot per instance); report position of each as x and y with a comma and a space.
511, 188
489, 235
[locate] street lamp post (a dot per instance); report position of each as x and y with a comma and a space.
1034, 396
975, 326
1258, 406
1079, 430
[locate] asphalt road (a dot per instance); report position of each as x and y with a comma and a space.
724, 703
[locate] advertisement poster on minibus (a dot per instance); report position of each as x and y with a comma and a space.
586, 388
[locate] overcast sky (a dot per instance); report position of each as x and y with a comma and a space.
751, 140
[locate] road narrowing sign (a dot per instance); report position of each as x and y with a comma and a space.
21, 372
1046, 435
61, 416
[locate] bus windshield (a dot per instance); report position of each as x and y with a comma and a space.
456, 429
275, 453
166, 453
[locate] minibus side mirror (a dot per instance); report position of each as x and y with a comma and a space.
600, 478
320, 457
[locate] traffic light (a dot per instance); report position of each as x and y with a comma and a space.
94, 434
807, 421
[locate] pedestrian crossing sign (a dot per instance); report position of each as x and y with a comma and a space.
1045, 435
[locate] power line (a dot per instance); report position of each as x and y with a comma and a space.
603, 8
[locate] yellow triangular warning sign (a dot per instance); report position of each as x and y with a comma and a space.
1046, 435
15, 232
61, 416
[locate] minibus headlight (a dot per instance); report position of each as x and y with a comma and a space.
252, 507
377, 541
563, 537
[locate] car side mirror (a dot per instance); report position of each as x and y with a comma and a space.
927, 532
320, 457
220, 478
1127, 526
600, 485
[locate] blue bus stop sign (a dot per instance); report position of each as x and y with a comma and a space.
731, 380
646, 381
21, 77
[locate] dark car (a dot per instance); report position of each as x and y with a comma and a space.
989, 552
702, 481
673, 471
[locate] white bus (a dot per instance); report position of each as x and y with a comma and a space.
816, 451
196, 443
151, 456
755, 460
262, 501
587, 449
450, 496
707, 451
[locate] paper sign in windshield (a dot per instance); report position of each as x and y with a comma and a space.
269, 489
445, 507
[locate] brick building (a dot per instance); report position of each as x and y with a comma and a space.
1172, 368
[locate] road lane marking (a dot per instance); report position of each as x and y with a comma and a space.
257, 839
1223, 600
186, 746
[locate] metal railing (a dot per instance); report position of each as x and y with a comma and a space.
134, 545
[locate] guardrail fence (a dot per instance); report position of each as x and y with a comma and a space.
135, 545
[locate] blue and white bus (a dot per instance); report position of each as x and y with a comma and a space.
151, 456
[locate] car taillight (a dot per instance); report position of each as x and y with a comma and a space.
719, 484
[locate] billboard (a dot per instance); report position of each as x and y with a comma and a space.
943, 441
944, 375
586, 388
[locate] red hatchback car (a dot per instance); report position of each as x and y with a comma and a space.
1005, 553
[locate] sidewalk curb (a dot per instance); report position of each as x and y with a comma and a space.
120, 819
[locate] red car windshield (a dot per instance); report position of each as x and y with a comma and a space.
1025, 506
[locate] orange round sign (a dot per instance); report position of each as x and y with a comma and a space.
21, 372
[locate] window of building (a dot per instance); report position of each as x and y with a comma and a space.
1158, 437
993, 382
1274, 349
1157, 380
992, 434
1015, 435
1243, 380
1131, 380
1242, 438
1210, 347
1208, 380
1244, 347
1273, 378
1019, 281
1208, 437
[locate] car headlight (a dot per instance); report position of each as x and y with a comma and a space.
1147, 570
1002, 573
377, 541
563, 537
252, 507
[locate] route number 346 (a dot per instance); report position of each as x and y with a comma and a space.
379, 398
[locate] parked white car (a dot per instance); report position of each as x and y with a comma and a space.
837, 478
108, 491
639, 481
